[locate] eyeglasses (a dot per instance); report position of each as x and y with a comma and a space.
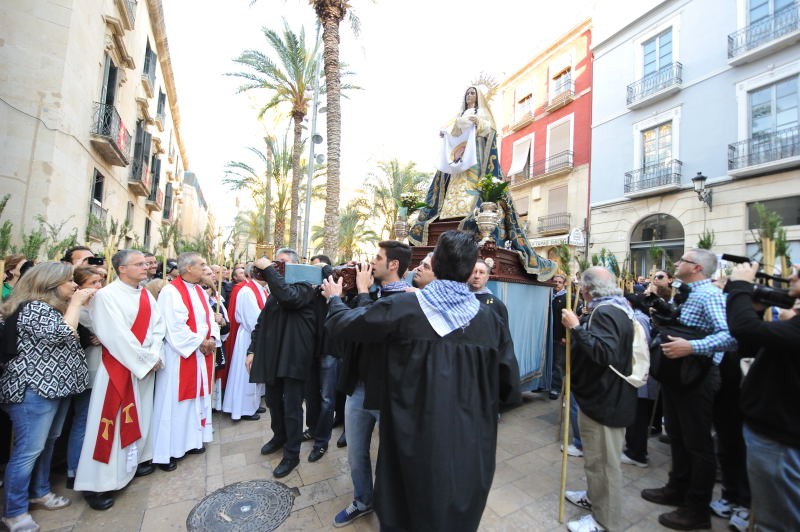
136, 265
686, 260
661, 276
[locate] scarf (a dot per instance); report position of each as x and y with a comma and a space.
560, 293
397, 286
448, 305
616, 301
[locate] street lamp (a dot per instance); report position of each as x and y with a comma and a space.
703, 194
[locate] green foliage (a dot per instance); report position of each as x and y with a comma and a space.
656, 253
57, 245
768, 222
564, 258
607, 260
706, 240
583, 264
353, 232
5, 229
396, 184
491, 189
32, 243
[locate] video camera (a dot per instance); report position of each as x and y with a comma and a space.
664, 312
762, 292
293, 273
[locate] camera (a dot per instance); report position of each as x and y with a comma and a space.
663, 312
96, 261
764, 294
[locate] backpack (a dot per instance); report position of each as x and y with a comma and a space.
640, 361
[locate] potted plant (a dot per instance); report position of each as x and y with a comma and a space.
491, 189
409, 203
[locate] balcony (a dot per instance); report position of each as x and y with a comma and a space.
654, 179
765, 153
127, 11
160, 119
109, 136
97, 221
166, 214
765, 36
171, 154
149, 75
565, 95
554, 224
560, 163
655, 86
139, 179
155, 201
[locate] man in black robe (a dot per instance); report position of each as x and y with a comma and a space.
448, 361
283, 344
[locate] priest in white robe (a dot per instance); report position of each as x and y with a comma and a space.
182, 423
128, 324
243, 398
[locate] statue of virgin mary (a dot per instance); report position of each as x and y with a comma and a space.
469, 153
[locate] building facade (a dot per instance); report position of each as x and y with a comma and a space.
546, 141
690, 90
89, 118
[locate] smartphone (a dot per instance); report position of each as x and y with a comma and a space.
96, 261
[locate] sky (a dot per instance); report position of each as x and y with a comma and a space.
413, 58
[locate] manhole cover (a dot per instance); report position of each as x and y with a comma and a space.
250, 505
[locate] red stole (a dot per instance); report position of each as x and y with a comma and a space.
234, 325
187, 378
120, 392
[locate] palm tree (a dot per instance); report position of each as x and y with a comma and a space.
289, 80
386, 189
352, 232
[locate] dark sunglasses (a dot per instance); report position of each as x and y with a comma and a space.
660, 276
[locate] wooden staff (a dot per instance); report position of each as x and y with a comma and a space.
768, 259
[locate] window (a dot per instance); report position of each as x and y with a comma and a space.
521, 205
523, 108
97, 188
656, 231
557, 200
759, 10
787, 208
657, 52
129, 214
141, 153
167, 212
559, 138
520, 168
109, 90
161, 101
561, 83
657, 145
774, 107
146, 238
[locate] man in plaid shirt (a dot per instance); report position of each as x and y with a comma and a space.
688, 411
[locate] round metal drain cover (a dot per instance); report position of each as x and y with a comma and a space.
250, 505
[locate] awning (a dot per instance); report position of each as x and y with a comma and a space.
519, 156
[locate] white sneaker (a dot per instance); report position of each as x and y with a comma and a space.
625, 459
740, 519
585, 524
572, 450
721, 507
579, 499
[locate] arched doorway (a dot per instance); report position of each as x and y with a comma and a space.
656, 232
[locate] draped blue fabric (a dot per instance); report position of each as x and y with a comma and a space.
509, 228
529, 321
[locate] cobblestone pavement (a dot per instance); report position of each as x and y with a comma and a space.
524, 494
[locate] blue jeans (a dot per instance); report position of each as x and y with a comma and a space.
37, 424
328, 373
360, 423
774, 472
573, 422
80, 408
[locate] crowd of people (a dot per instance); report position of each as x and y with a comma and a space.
140, 364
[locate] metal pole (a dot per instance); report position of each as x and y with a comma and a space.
307, 221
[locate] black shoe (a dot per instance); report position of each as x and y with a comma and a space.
98, 501
271, 446
307, 436
260, 410
342, 441
285, 467
685, 518
553, 395
199, 450
144, 469
254, 417
171, 466
666, 496
70, 483
317, 453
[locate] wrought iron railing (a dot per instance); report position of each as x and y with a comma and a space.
654, 175
108, 124
564, 94
554, 163
140, 173
149, 70
764, 148
669, 76
554, 222
765, 30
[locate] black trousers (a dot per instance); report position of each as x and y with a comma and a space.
559, 363
285, 399
638, 432
731, 449
688, 414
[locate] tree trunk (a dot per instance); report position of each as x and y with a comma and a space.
330, 14
268, 191
295, 200
280, 231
